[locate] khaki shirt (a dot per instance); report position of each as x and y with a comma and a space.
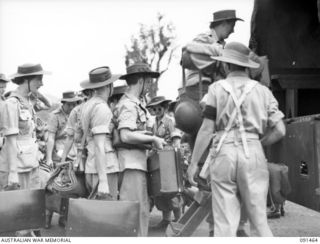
57, 125
165, 128
97, 114
260, 108
73, 127
131, 114
18, 118
201, 48
2, 104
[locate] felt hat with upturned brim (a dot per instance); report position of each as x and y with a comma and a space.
158, 100
223, 15
70, 97
99, 77
236, 53
29, 69
3, 78
141, 69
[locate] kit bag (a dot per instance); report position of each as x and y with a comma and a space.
65, 182
96, 218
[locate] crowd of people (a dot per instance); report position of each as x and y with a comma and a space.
116, 124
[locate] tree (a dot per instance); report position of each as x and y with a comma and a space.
153, 45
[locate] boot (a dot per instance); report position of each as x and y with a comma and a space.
177, 214
275, 214
241, 233
63, 212
37, 233
282, 210
162, 225
49, 215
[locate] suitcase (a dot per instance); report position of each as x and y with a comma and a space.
300, 151
22, 210
88, 218
165, 172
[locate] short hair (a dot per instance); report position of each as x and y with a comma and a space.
21, 79
235, 67
100, 89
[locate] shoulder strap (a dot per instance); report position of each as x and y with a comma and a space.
248, 88
19, 99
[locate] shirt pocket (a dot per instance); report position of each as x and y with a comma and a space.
24, 122
162, 131
141, 120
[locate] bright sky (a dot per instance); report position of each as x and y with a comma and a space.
71, 37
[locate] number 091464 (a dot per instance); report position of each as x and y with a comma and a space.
309, 239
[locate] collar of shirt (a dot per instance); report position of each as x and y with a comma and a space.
21, 98
163, 120
61, 111
238, 74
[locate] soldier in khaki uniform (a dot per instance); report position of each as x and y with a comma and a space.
73, 127
204, 46
164, 127
132, 120
118, 91
3, 85
244, 115
102, 165
19, 166
56, 128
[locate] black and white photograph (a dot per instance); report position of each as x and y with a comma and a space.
159, 118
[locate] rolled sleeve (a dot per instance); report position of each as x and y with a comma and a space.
11, 117
274, 114
211, 99
53, 123
101, 119
174, 132
128, 117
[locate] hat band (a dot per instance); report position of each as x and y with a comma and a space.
68, 96
232, 54
100, 78
29, 69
